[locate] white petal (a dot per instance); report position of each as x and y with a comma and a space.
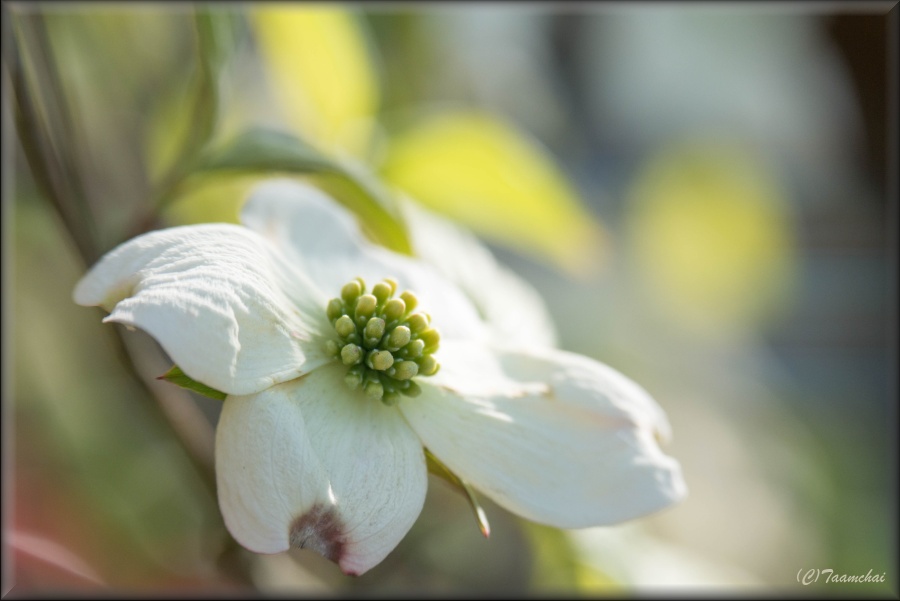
513, 310
555, 437
308, 463
321, 236
267, 472
220, 301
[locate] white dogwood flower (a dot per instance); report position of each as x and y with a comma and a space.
337, 378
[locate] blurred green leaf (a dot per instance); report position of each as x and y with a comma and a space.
187, 118
213, 45
179, 378
436, 467
262, 149
320, 68
270, 152
171, 131
558, 567
215, 198
490, 176
368, 198
215, 34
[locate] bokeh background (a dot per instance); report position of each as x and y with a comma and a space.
699, 192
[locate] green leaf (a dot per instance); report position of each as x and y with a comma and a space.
492, 177
267, 151
557, 564
212, 199
321, 72
179, 378
215, 34
214, 42
264, 149
188, 114
436, 467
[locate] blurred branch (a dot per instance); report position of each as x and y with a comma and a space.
143, 361
175, 403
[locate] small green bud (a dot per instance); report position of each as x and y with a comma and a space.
412, 390
344, 326
365, 306
351, 354
351, 291
428, 366
392, 283
390, 399
410, 299
353, 379
415, 349
380, 360
331, 348
375, 390
335, 309
398, 338
375, 328
406, 370
431, 338
417, 323
394, 309
382, 291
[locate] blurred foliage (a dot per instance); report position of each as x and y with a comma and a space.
478, 170
267, 152
472, 167
712, 236
322, 71
558, 565
216, 199
187, 117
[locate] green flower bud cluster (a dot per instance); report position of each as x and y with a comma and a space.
382, 340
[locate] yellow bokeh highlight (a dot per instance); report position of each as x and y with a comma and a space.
492, 178
711, 235
319, 68
211, 199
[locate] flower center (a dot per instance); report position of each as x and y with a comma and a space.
381, 340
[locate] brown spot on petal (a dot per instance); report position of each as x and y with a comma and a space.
320, 530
